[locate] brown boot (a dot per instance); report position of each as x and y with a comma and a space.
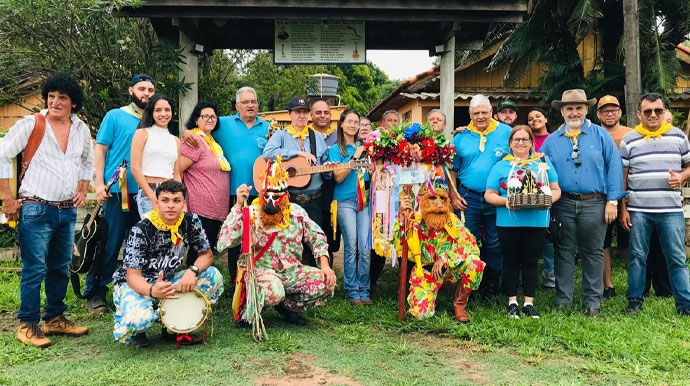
459, 304
60, 325
29, 333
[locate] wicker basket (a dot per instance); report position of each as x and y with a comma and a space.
530, 201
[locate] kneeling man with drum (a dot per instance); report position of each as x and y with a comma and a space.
279, 228
155, 249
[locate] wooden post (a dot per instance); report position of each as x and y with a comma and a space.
447, 88
402, 279
189, 72
633, 83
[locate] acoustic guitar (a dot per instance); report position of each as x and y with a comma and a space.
299, 170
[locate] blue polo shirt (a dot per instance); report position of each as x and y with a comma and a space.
116, 132
241, 146
538, 218
472, 165
601, 170
348, 187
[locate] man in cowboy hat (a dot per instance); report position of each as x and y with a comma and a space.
587, 158
278, 232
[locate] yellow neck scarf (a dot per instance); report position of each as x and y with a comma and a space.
302, 134
326, 133
156, 220
653, 134
215, 148
522, 163
493, 124
134, 111
572, 136
286, 213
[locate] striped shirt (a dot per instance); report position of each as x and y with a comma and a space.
648, 163
52, 174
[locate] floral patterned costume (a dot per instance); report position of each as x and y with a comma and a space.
454, 245
282, 279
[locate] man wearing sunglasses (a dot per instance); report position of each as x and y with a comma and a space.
656, 157
587, 158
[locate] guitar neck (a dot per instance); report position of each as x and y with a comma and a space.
320, 169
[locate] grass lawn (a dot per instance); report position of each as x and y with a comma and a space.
366, 345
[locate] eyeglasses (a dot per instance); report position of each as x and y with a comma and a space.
575, 155
523, 140
609, 112
208, 117
365, 124
249, 102
647, 113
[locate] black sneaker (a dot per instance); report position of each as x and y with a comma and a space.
609, 293
140, 340
530, 311
634, 307
291, 316
513, 311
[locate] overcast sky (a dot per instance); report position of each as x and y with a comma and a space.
401, 65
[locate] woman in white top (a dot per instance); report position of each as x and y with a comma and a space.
155, 152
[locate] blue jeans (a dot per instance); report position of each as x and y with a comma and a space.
119, 224
46, 236
143, 202
671, 230
354, 226
478, 214
547, 252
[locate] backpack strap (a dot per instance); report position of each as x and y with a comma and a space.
32, 145
312, 143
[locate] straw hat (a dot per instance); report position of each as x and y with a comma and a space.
575, 96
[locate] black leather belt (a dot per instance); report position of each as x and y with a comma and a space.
67, 204
581, 197
302, 198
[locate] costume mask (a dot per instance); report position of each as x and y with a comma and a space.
272, 201
435, 203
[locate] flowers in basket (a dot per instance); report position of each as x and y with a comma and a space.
525, 189
409, 143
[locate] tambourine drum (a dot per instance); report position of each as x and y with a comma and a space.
185, 314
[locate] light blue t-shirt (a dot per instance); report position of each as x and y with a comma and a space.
498, 178
472, 165
348, 187
241, 145
116, 132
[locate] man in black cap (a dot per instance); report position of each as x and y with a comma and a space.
113, 143
298, 140
506, 112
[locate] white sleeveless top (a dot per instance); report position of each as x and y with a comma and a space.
160, 153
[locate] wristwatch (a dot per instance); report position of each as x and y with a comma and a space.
195, 269
612, 202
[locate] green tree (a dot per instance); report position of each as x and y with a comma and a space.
86, 38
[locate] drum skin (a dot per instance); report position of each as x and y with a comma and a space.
185, 314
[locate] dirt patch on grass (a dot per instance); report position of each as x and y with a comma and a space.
299, 369
470, 370
8, 321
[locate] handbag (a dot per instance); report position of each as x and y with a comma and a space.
89, 242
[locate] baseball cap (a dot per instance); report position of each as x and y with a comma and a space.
608, 100
506, 105
141, 78
298, 103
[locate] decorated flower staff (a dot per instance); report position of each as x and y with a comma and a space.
441, 249
278, 230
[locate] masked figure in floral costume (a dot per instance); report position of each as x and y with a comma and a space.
442, 249
279, 228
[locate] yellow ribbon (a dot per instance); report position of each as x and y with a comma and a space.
302, 134
286, 213
133, 110
334, 216
665, 126
573, 136
122, 178
326, 133
215, 148
156, 220
493, 124
522, 163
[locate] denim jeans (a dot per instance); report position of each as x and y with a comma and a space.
143, 201
119, 224
671, 230
354, 226
547, 252
46, 236
583, 230
478, 214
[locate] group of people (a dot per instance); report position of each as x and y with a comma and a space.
183, 200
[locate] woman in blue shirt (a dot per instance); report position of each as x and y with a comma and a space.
353, 213
521, 232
